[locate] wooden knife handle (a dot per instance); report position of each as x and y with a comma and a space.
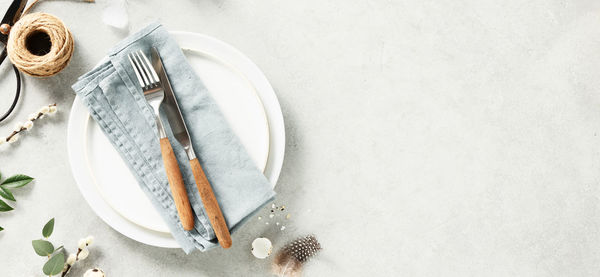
213, 211
182, 203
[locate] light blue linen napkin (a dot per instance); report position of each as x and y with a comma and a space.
116, 102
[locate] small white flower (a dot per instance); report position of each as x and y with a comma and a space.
13, 138
95, 272
89, 240
81, 244
52, 109
32, 116
83, 254
18, 126
28, 124
71, 259
45, 109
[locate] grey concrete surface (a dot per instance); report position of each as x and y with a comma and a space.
424, 138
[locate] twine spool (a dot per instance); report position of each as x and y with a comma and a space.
40, 45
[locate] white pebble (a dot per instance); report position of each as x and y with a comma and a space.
282, 228
271, 215
261, 248
260, 217
273, 205
277, 223
266, 223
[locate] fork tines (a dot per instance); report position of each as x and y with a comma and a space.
143, 69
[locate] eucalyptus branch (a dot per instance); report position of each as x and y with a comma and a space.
20, 127
56, 263
6, 188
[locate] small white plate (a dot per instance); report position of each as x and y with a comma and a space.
246, 99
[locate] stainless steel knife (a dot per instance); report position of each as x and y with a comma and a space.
180, 131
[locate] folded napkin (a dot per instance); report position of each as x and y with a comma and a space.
116, 102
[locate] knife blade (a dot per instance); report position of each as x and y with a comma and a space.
171, 107
180, 131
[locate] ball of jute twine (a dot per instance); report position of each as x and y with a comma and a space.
50, 63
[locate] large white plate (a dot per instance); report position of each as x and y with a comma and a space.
240, 89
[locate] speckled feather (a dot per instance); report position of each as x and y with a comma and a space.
291, 258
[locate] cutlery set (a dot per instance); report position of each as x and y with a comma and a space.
158, 92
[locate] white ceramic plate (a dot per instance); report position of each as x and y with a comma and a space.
246, 99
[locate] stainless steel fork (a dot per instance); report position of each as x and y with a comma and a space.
154, 94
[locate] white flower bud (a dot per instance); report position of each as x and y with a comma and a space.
71, 259
13, 138
18, 126
89, 240
2, 140
45, 109
81, 244
95, 272
28, 124
83, 254
32, 116
52, 109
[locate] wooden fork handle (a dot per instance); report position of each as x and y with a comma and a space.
182, 203
213, 211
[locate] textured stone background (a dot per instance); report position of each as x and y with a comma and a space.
424, 137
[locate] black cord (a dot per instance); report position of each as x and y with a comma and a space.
17, 94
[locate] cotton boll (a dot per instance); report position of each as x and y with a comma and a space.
14, 138
115, 14
89, 240
261, 248
71, 259
28, 124
81, 243
18, 127
94, 272
83, 254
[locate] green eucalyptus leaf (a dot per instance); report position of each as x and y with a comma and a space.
16, 181
1, 228
55, 265
4, 207
4, 192
48, 228
42, 247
